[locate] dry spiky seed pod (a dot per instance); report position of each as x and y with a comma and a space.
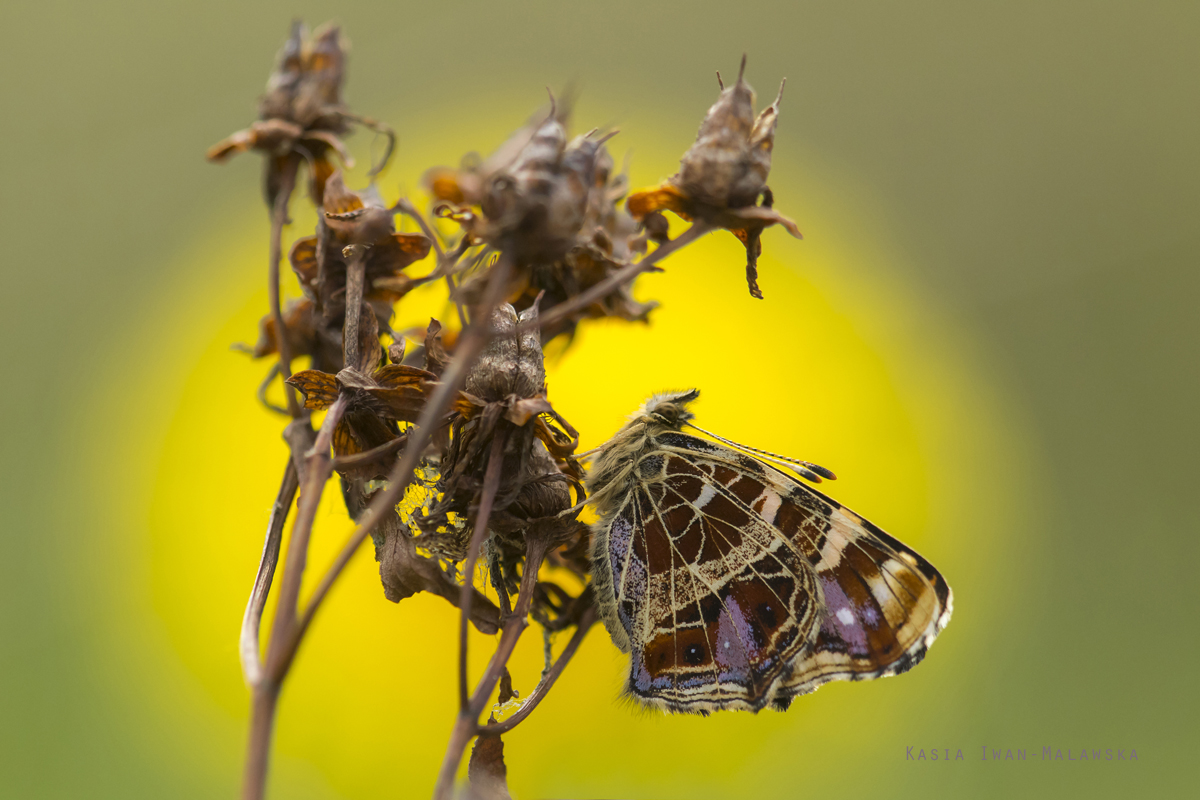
467, 184
505, 396
301, 115
554, 208
535, 208
724, 173
356, 225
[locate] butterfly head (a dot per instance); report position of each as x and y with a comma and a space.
668, 409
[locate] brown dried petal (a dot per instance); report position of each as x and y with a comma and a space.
266, 135
394, 376
664, 196
436, 357
320, 389
404, 403
392, 254
756, 217
304, 263
521, 411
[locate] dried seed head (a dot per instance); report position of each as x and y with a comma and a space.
356, 225
301, 115
511, 363
723, 174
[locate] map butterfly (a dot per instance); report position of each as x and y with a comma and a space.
735, 586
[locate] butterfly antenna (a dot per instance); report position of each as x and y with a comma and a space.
809, 470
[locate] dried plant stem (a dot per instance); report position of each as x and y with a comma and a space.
265, 698
378, 127
355, 275
318, 468
367, 456
467, 350
491, 483
278, 220
443, 263
466, 726
248, 644
625, 275
585, 623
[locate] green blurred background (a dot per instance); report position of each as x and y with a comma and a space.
1016, 187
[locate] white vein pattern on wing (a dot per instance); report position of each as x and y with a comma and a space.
711, 485
696, 575
778, 478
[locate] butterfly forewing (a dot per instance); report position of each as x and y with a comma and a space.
735, 586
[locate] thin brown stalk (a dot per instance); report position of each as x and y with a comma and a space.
404, 206
378, 127
278, 220
491, 483
318, 467
248, 643
466, 725
535, 553
355, 275
367, 456
465, 353
585, 623
624, 275
265, 698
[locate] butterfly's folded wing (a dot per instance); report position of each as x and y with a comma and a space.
884, 605
708, 599
718, 544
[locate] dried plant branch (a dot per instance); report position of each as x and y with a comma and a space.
265, 699
547, 682
278, 220
355, 275
466, 726
369, 456
318, 468
248, 643
625, 275
444, 263
491, 482
381, 128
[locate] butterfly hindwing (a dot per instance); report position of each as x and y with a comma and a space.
733, 585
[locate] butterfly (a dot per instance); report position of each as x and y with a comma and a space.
735, 586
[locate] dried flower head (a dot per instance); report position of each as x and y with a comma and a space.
301, 116
356, 225
553, 207
466, 184
724, 173
307, 335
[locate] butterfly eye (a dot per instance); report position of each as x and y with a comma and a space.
667, 414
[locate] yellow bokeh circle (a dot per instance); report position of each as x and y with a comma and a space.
840, 364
